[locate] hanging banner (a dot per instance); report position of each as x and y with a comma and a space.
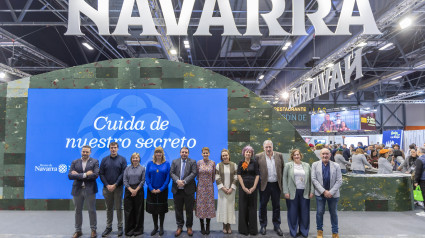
392, 137
367, 121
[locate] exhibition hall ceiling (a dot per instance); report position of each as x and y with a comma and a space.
33, 41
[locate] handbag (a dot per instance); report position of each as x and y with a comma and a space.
417, 194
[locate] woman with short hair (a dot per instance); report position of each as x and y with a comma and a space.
298, 189
384, 166
205, 205
248, 176
134, 179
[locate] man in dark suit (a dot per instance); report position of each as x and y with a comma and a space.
271, 171
183, 173
84, 171
346, 152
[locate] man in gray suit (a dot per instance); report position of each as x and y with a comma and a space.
271, 171
84, 171
327, 179
183, 173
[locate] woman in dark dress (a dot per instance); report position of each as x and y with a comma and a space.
248, 176
157, 180
134, 179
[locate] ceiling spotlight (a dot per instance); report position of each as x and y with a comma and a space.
287, 45
309, 79
293, 89
88, 46
405, 23
402, 93
2, 75
186, 42
330, 65
186, 46
285, 95
386, 46
350, 93
173, 52
261, 77
398, 77
362, 44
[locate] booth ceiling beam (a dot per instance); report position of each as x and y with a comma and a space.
384, 22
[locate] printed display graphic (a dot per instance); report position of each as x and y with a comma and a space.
390, 138
336, 121
367, 121
61, 121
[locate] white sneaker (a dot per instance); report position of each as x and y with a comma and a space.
421, 214
420, 203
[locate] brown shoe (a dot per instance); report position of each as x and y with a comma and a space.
93, 234
178, 232
189, 231
77, 234
229, 229
319, 234
224, 228
335, 235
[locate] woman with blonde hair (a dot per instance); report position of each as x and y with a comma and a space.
298, 189
134, 179
227, 180
157, 180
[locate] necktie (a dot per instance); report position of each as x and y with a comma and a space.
183, 167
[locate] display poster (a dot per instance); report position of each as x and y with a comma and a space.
392, 137
61, 121
299, 116
367, 121
335, 121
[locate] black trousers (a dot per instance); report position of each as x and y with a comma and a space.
247, 213
272, 190
422, 186
181, 199
134, 212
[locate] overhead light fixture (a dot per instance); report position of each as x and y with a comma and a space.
362, 44
344, 109
293, 89
398, 77
2, 75
405, 22
187, 46
173, 52
88, 46
350, 93
285, 95
186, 42
402, 94
309, 79
386, 46
287, 45
261, 77
330, 65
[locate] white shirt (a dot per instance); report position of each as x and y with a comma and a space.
299, 175
181, 169
83, 164
271, 169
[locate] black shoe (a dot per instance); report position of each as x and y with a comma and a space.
207, 228
120, 231
154, 231
106, 232
278, 231
263, 230
161, 231
202, 226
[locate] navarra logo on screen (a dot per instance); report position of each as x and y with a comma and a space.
61, 121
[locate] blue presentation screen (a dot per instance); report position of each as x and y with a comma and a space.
336, 121
61, 121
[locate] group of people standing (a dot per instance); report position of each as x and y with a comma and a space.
264, 173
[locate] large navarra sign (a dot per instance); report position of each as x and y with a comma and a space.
61, 121
100, 17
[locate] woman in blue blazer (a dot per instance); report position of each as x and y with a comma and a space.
298, 190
